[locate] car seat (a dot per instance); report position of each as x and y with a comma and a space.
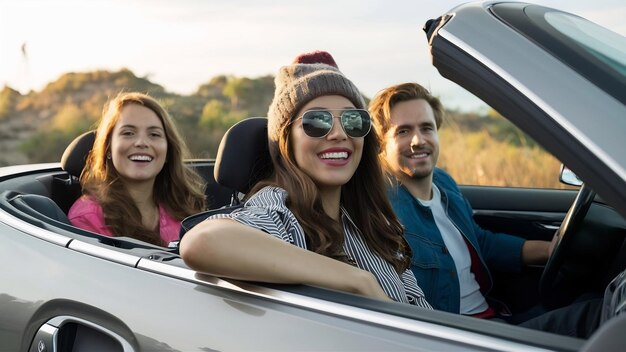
50, 208
75, 155
242, 160
72, 162
243, 156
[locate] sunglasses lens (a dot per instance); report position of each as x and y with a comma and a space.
317, 123
356, 123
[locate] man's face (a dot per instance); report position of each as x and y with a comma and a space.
412, 142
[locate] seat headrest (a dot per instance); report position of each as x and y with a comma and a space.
75, 155
243, 156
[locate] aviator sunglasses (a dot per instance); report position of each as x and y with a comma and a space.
318, 123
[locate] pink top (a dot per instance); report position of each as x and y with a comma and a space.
87, 214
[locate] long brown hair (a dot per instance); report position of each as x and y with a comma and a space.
179, 189
363, 197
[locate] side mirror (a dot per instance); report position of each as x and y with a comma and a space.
568, 177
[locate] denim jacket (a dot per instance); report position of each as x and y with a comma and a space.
431, 263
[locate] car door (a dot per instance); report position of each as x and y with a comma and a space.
533, 214
548, 73
63, 289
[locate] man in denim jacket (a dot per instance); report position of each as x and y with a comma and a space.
451, 253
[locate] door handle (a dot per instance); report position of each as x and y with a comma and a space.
548, 226
75, 334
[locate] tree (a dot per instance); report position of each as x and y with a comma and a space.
213, 113
46, 146
213, 89
236, 88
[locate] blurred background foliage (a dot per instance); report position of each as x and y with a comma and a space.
477, 148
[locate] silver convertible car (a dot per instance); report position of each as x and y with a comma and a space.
556, 76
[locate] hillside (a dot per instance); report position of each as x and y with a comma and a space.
68, 105
36, 127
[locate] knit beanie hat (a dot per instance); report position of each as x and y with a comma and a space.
311, 75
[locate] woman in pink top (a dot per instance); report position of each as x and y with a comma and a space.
134, 182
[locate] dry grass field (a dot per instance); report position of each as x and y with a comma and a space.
476, 158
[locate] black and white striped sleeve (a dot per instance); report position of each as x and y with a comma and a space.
413, 291
260, 218
267, 212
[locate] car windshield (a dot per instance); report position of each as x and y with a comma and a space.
605, 45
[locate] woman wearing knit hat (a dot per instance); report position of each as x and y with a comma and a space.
324, 207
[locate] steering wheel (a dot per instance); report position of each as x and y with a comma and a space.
554, 279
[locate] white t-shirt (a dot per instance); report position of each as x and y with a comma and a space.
472, 301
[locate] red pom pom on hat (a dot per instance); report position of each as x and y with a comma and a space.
316, 57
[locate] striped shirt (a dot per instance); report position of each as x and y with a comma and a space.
266, 211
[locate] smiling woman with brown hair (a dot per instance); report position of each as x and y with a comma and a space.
135, 183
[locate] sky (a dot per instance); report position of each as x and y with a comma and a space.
183, 44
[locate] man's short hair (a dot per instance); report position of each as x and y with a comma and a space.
380, 107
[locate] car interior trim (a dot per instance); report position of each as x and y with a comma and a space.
104, 253
19, 170
509, 214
